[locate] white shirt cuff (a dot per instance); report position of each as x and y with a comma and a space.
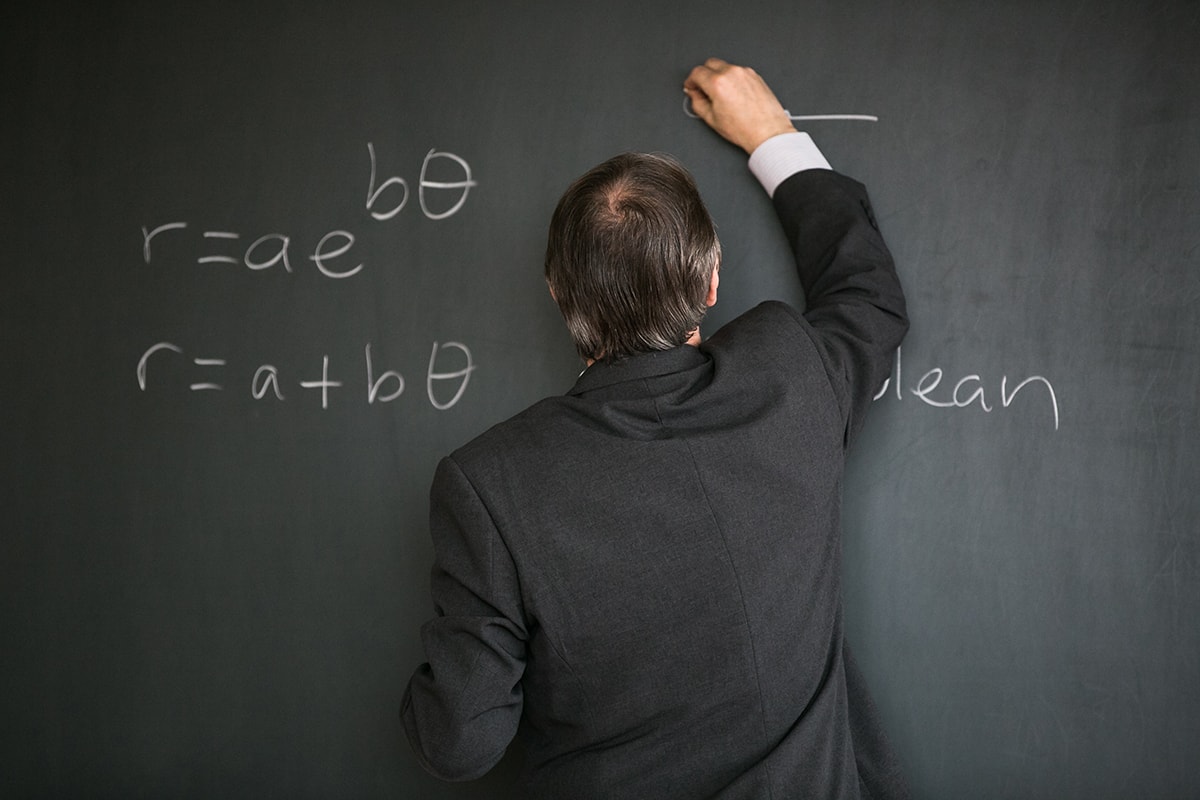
782, 156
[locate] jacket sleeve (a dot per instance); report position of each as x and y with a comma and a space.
855, 305
461, 708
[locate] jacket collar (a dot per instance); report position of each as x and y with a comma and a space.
638, 367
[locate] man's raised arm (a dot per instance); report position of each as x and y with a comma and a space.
855, 304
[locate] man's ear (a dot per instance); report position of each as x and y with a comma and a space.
711, 300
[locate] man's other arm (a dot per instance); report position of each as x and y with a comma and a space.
462, 707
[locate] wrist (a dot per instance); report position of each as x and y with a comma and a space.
761, 136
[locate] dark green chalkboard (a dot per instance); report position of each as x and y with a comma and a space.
213, 568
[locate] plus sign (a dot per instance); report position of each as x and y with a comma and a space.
324, 384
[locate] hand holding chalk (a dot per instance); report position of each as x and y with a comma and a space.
736, 103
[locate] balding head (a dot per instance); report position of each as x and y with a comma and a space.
630, 256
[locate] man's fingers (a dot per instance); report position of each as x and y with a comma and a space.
701, 106
718, 79
698, 78
711, 66
699, 86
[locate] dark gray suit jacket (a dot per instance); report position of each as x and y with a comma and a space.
644, 574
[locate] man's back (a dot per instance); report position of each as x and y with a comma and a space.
673, 524
651, 563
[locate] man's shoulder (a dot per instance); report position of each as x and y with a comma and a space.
770, 325
523, 435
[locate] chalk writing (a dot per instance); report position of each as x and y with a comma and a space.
687, 109
464, 373
968, 390
331, 254
424, 184
382, 388
443, 184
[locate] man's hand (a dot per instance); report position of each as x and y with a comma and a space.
736, 103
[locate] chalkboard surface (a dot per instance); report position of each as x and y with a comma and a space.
265, 264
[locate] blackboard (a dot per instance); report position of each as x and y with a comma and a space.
264, 264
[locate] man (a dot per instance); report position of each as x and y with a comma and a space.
644, 575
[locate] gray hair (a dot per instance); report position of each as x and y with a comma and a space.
630, 256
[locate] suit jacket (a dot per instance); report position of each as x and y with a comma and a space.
643, 575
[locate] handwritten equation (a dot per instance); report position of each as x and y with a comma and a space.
332, 257
381, 387
332, 251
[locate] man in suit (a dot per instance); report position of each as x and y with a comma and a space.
642, 577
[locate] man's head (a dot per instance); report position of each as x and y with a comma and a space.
632, 257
